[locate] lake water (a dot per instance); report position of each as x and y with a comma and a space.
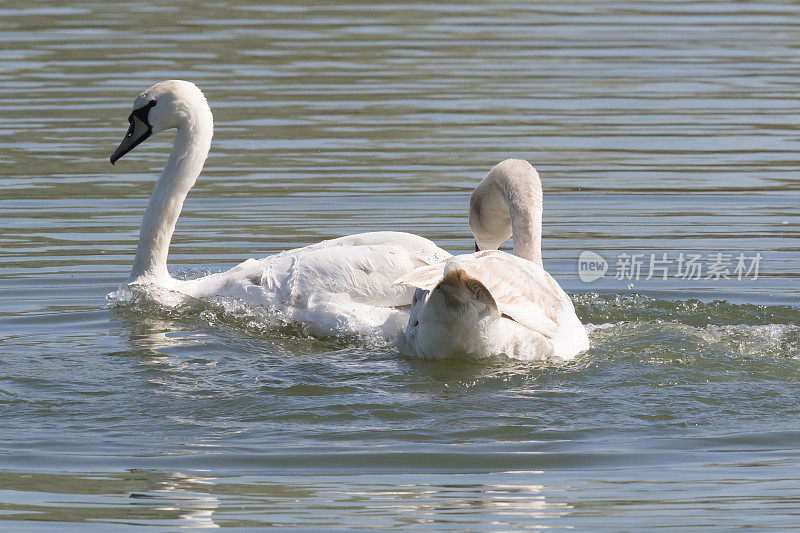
658, 128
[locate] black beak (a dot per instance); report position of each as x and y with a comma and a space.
476, 247
138, 132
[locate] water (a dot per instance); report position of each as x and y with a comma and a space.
657, 128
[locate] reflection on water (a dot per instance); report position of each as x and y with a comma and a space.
136, 497
657, 128
406, 501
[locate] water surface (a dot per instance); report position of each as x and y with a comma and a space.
657, 129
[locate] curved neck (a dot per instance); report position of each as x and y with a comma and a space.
508, 203
525, 212
184, 164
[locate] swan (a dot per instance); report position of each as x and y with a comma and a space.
344, 285
491, 302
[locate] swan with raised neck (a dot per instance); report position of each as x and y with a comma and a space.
508, 203
338, 286
170, 104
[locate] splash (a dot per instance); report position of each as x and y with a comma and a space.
619, 325
350, 327
667, 330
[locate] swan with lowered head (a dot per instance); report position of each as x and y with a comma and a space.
343, 285
491, 302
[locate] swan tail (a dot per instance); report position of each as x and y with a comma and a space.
460, 291
453, 319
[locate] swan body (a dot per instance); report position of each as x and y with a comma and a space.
338, 286
335, 287
491, 302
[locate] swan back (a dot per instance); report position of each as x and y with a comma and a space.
506, 203
487, 303
522, 290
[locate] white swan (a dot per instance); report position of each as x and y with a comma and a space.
343, 285
491, 302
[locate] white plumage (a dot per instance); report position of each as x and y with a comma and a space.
476, 305
340, 286
491, 302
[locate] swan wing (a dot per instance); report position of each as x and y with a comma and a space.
363, 267
419, 250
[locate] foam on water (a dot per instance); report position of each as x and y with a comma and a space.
267, 321
624, 323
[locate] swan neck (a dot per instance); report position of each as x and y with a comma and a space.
186, 159
526, 229
507, 204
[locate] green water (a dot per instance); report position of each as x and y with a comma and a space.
658, 128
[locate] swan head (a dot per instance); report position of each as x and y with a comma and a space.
166, 105
506, 203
